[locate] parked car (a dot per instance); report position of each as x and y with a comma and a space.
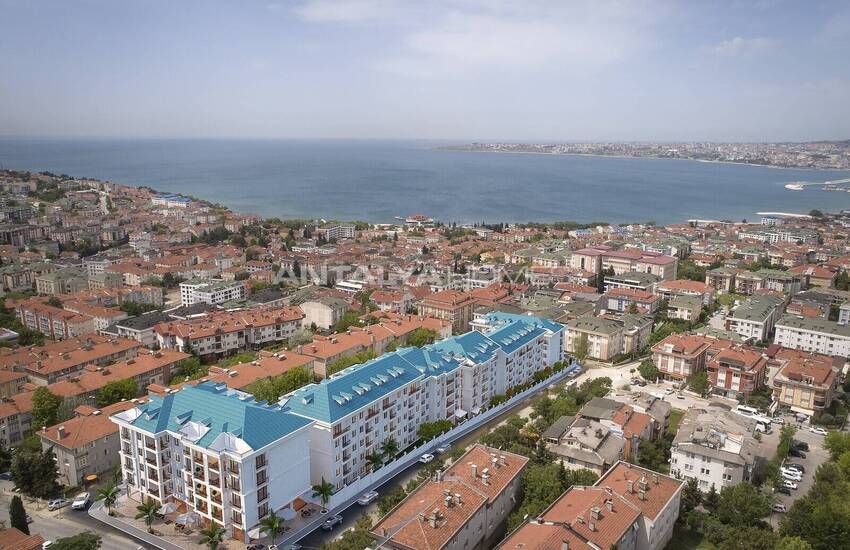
792, 476
6, 476
367, 498
256, 547
442, 449
81, 501
680, 396
783, 490
778, 420
801, 445
57, 503
668, 391
29, 518
331, 522
426, 458
817, 430
779, 508
789, 484
794, 466
796, 453
45, 544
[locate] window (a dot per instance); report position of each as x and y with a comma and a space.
262, 477
263, 493
263, 510
260, 461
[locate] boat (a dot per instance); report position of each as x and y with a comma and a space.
797, 186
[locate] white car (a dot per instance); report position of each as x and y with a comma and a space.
442, 449
789, 484
367, 498
816, 430
668, 391
793, 476
779, 508
57, 503
426, 458
81, 501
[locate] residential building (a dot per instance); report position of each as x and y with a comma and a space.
449, 305
211, 291
737, 371
621, 299
679, 356
813, 334
806, 382
634, 280
267, 365
722, 279
716, 447
11, 382
218, 453
85, 445
15, 418
686, 308
585, 444
54, 322
324, 312
683, 287
464, 508
755, 317
604, 336
337, 231
62, 281
15, 539
139, 328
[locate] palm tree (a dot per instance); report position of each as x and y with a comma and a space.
212, 536
108, 494
390, 448
375, 460
323, 490
272, 525
147, 511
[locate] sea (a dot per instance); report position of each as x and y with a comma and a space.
377, 181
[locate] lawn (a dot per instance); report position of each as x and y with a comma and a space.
685, 539
673, 423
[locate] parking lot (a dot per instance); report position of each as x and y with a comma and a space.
815, 456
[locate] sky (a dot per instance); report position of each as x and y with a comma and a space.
458, 70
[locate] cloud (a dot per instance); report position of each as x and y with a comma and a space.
740, 47
345, 11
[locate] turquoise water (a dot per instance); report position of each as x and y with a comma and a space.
377, 180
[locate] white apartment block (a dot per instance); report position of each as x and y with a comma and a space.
217, 453
755, 317
813, 334
211, 291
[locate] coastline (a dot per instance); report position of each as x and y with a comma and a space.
597, 155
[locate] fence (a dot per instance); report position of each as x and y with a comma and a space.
348, 495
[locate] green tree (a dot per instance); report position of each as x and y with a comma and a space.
375, 460
390, 448
82, 541
421, 337
108, 494
742, 505
429, 430
272, 526
45, 408
325, 491
55, 302
581, 348
792, 543
147, 511
17, 515
698, 383
212, 536
390, 500
271, 389
691, 497
117, 390
837, 443
34, 471
648, 370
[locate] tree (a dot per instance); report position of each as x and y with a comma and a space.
793, 543
815, 213
429, 430
212, 536
17, 515
272, 526
742, 505
117, 390
390, 448
691, 497
45, 408
147, 512
375, 460
323, 490
648, 370
698, 382
271, 389
421, 336
108, 494
55, 302
82, 541
837, 443
581, 349
390, 500
632, 308
711, 500
34, 471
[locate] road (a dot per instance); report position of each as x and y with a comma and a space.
64, 522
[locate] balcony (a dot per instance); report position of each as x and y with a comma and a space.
236, 502
213, 465
233, 468
233, 483
214, 481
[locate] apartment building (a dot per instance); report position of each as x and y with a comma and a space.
358, 409
54, 322
813, 334
598, 259
464, 508
86, 444
722, 279
11, 382
668, 290
449, 305
755, 317
211, 291
806, 382
605, 337
62, 281
267, 365
632, 280
737, 371
629, 508
714, 446
56, 361
337, 231
621, 299
139, 328
324, 312
218, 453
15, 418
224, 333
686, 308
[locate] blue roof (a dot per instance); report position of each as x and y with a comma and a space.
360, 385
222, 411
498, 318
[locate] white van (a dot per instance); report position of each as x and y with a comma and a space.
746, 411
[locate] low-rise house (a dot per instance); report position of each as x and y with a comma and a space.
586, 444
86, 445
15, 539
806, 382
267, 365
716, 447
464, 508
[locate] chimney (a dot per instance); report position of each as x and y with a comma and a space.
474, 469
457, 499
642, 495
610, 505
60, 432
591, 526
655, 479
565, 545
448, 500
594, 513
434, 517
630, 486
502, 460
